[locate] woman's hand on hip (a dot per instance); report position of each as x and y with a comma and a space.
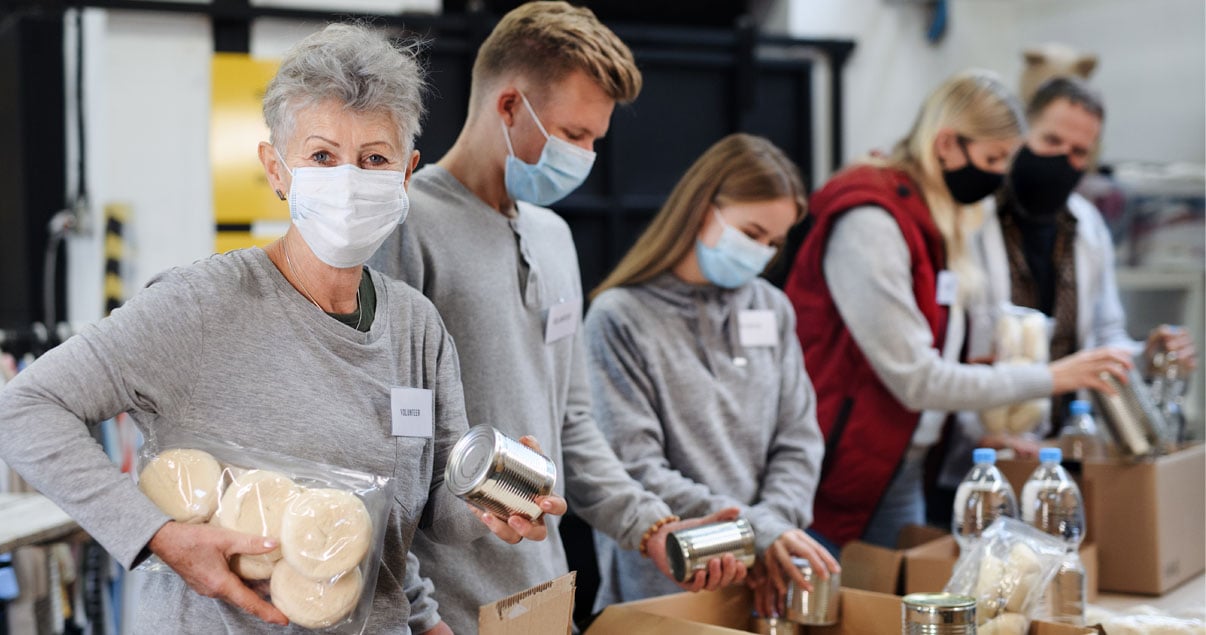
201, 555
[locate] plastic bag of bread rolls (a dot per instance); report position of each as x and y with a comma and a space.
1006, 571
1021, 336
329, 521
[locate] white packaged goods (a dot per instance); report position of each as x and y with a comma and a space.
329, 522
1021, 336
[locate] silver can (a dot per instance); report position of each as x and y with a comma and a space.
818, 607
773, 626
498, 474
690, 550
938, 614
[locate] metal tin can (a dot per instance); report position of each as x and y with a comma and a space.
1135, 423
773, 626
938, 614
690, 550
818, 607
498, 474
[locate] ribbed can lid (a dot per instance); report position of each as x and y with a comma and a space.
472, 460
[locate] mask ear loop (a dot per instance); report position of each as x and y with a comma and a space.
280, 194
533, 113
507, 138
963, 141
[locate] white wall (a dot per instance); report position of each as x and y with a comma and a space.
1152, 68
147, 94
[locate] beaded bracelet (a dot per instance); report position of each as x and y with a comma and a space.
653, 529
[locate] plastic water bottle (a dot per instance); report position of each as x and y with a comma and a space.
1079, 438
982, 497
1052, 503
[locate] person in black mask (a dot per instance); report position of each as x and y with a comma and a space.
1045, 247
1048, 248
878, 286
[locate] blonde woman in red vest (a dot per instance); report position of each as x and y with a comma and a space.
878, 285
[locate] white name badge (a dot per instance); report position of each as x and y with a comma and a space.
562, 320
948, 288
412, 412
758, 328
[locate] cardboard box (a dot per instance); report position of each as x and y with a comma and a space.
1145, 518
872, 568
929, 566
544, 608
727, 612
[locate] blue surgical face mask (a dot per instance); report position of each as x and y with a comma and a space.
735, 260
562, 167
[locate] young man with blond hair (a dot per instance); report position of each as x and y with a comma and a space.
503, 272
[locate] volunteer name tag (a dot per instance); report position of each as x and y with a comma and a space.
412, 410
948, 288
758, 328
562, 320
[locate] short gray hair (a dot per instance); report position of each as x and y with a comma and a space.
355, 65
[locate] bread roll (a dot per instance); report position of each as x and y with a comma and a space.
1024, 572
1008, 338
312, 603
1036, 346
255, 503
183, 484
325, 532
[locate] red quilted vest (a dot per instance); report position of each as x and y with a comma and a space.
867, 431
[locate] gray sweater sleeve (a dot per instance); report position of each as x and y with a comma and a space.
868, 271
424, 610
141, 358
446, 519
794, 465
597, 487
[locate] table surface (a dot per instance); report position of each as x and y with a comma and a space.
1190, 598
30, 519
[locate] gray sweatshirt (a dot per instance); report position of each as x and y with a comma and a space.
494, 280
698, 415
226, 347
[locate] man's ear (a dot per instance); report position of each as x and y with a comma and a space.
505, 104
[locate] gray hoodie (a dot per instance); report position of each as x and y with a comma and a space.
699, 417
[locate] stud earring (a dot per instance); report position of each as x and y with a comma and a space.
280, 195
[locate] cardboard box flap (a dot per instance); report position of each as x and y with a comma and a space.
917, 535
714, 612
545, 608
871, 568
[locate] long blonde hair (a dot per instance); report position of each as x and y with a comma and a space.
978, 106
740, 168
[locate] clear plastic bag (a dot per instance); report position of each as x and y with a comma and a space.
329, 521
1007, 572
1020, 336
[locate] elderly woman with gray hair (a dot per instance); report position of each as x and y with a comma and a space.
293, 348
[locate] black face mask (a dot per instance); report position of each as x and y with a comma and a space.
969, 183
1041, 184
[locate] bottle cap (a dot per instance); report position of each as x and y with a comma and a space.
1050, 455
984, 455
1079, 407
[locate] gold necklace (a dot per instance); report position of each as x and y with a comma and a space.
289, 262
